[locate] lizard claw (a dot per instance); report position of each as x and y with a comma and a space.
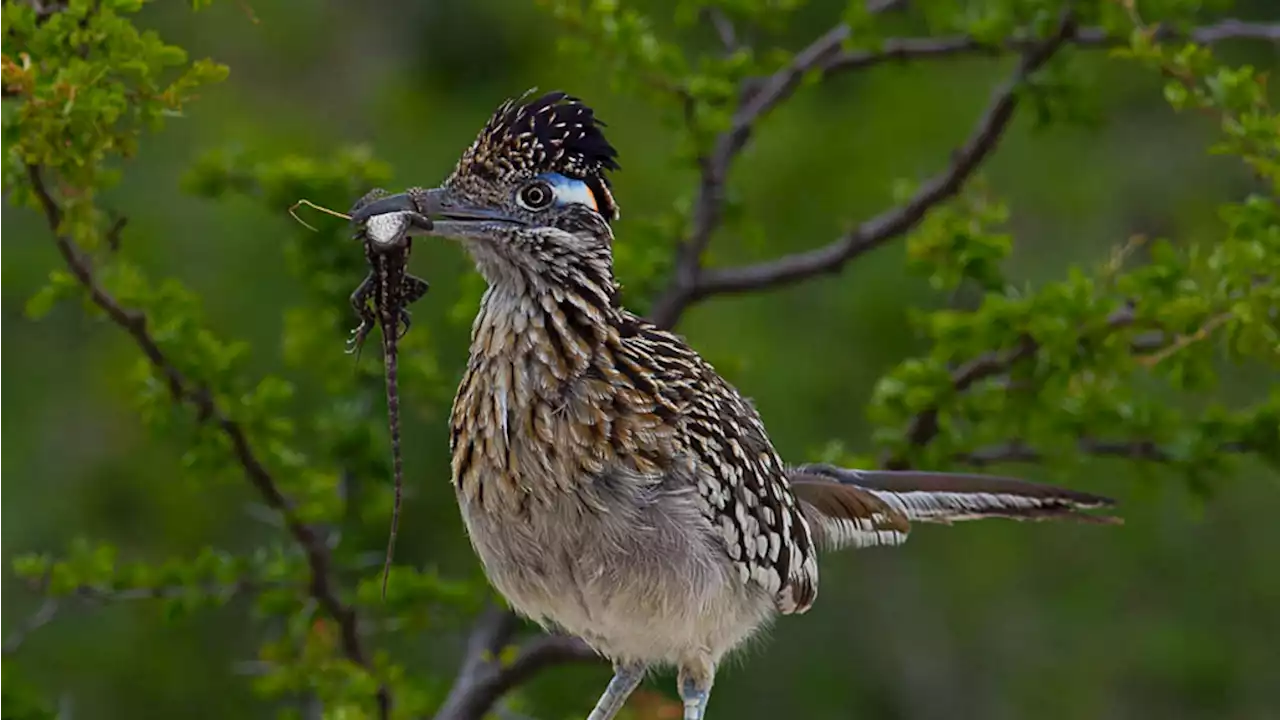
356, 341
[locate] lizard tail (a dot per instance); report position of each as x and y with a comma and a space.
393, 421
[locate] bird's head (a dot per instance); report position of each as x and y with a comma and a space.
529, 198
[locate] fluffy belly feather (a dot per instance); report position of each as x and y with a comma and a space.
644, 581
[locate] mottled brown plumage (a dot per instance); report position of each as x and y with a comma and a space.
569, 388
613, 484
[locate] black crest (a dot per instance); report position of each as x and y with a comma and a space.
552, 133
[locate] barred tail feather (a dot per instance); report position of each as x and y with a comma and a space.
866, 508
843, 516
950, 497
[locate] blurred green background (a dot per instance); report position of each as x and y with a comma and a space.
1173, 615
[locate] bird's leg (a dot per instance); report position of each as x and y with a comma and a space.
695, 680
626, 678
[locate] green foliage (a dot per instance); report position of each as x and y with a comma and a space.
1109, 351
92, 83
1106, 360
21, 700
956, 243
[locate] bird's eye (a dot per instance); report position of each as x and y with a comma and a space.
536, 195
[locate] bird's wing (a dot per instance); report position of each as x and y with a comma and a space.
739, 474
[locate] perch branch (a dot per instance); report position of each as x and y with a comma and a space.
485, 677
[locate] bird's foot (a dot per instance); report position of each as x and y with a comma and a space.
695, 703
626, 678
695, 691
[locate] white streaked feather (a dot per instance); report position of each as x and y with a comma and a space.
933, 506
858, 533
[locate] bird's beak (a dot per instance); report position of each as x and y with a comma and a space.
446, 215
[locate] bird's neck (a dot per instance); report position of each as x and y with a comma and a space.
552, 330
534, 349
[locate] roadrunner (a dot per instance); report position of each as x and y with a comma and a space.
613, 484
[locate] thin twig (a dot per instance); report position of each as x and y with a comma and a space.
875, 232
926, 48
319, 560
724, 28
1020, 452
90, 593
44, 615
53, 605
923, 427
876, 7
115, 230
709, 205
1182, 341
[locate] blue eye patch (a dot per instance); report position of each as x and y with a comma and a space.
569, 190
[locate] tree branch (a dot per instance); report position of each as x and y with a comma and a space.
52, 605
923, 428
908, 49
319, 560
758, 97
724, 28
690, 283
44, 615
875, 232
709, 205
1020, 452
99, 595
483, 678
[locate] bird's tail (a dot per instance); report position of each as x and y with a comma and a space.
863, 508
